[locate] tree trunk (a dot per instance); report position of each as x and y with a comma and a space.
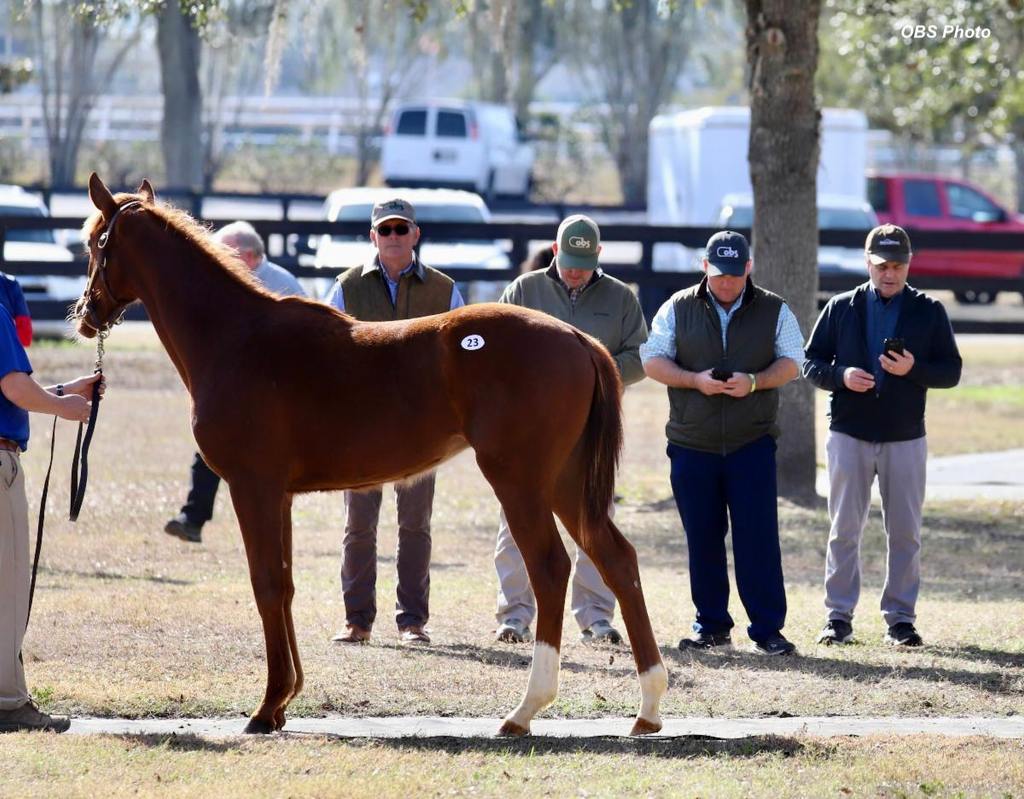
181, 131
782, 53
1018, 160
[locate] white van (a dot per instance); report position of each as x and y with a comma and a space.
474, 146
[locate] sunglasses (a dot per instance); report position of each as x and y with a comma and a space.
387, 230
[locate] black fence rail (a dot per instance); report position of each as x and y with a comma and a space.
291, 244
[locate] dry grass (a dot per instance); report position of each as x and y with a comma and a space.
787, 768
130, 622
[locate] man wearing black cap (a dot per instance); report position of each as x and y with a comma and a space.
878, 349
723, 348
394, 285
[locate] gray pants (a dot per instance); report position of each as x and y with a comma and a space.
852, 466
592, 600
359, 562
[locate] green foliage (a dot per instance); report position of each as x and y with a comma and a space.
940, 89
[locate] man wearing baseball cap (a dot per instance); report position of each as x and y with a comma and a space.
878, 349
723, 348
574, 289
394, 285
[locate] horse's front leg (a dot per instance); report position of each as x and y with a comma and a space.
259, 508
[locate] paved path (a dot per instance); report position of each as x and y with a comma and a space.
427, 727
988, 475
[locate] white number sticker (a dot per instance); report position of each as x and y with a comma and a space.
473, 342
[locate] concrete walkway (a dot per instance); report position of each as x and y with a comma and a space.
985, 475
428, 727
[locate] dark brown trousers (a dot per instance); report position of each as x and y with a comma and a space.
359, 562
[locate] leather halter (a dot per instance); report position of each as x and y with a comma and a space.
88, 312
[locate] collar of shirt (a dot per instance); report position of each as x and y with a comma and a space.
415, 267
574, 294
725, 316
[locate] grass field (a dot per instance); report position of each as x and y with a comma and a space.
129, 622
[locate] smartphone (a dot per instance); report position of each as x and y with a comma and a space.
720, 374
893, 345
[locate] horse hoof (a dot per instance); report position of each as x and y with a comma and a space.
258, 726
512, 730
644, 727
279, 720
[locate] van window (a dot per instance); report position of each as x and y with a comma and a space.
921, 198
451, 125
412, 122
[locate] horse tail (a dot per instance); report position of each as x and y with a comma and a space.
601, 443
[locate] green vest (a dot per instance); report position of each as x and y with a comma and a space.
721, 423
421, 292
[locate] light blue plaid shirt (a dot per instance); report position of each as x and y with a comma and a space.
661, 342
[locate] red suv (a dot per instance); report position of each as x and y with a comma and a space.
931, 202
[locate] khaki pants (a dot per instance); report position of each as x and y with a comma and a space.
14, 580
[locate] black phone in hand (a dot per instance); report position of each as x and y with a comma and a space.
893, 345
720, 374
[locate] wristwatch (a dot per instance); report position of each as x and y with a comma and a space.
753, 382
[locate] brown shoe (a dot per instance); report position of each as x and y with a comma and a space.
352, 634
28, 718
413, 634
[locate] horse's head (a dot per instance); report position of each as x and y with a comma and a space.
107, 292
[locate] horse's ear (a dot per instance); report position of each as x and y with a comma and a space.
146, 190
101, 196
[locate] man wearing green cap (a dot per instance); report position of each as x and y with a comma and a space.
574, 289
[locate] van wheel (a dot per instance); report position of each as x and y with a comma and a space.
975, 297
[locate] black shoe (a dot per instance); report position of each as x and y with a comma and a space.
836, 631
903, 634
774, 645
181, 527
706, 641
28, 717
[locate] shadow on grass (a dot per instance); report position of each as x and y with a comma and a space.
681, 747
995, 682
105, 575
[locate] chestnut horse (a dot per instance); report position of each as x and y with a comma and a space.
290, 395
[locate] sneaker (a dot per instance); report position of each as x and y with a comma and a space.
903, 634
413, 634
774, 645
28, 717
601, 631
706, 641
181, 527
513, 631
352, 634
836, 631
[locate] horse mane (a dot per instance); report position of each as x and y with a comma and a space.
193, 232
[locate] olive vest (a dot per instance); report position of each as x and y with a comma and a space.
720, 423
421, 292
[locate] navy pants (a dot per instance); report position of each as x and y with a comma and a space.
713, 493
198, 507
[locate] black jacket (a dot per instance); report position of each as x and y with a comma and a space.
896, 411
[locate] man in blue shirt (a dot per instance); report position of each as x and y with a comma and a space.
198, 508
19, 394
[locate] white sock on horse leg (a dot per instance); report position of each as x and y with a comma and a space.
653, 685
543, 686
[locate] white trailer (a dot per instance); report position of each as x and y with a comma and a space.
696, 157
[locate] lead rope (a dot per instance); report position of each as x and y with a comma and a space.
77, 483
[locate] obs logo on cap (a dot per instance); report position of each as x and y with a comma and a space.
728, 252
579, 242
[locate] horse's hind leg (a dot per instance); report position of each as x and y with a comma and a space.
259, 511
533, 528
616, 561
289, 595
